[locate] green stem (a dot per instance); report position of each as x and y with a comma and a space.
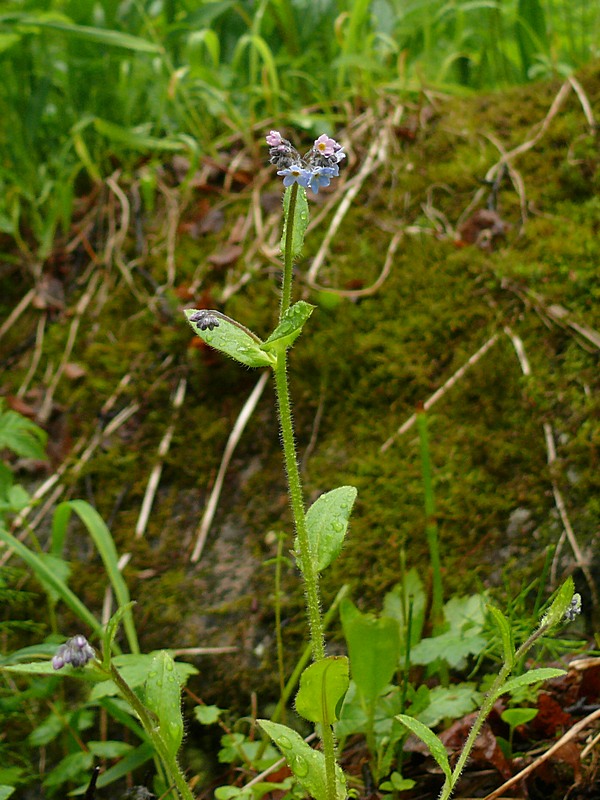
279, 637
431, 527
169, 762
485, 709
307, 566
288, 256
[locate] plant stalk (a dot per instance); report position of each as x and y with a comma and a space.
484, 711
169, 762
307, 565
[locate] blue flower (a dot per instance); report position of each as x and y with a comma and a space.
321, 176
295, 174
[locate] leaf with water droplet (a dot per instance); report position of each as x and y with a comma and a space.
233, 339
327, 522
323, 686
163, 696
308, 765
290, 327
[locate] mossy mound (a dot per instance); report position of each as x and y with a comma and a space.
358, 372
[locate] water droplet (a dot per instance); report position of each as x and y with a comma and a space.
299, 766
169, 666
283, 741
337, 525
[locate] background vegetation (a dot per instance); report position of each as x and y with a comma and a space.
91, 84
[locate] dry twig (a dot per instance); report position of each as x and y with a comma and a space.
232, 442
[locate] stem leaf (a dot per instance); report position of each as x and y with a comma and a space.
308, 765
533, 676
290, 327
163, 696
503, 626
300, 222
327, 522
234, 340
323, 686
374, 649
560, 604
436, 748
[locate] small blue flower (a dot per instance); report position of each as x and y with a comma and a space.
295, 174
321, 176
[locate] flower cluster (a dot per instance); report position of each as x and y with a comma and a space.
205, 319
76, 651
314, 170
574, 608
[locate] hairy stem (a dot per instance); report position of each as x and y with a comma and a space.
484, 711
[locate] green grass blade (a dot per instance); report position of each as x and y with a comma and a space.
99, 35
108, 552
49, 580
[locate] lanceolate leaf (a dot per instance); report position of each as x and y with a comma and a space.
290, 327
503, 626
163, 696
436, 748
560, 604
300, 221
232, 339
322, 689
308, 765
533, 676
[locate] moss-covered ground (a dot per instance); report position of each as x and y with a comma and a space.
357, 373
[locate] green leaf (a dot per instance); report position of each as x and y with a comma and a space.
71, 768
21, 435
301, 218
234, 340
102, 36
397, 783
6, 791
137, 139
133, 760
322, 689
207, 715
48, 579
163, 696
290, 327
436, 748
327, 522
555, 614
105, 546
109, 749
453, 647
407, 598
308, 765
374, 649
518, 716
134, 670
506, 636
88, 672
111, 629
533, 676
449, 702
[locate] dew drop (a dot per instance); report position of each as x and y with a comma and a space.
283, 741
337, 525
299, 766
